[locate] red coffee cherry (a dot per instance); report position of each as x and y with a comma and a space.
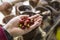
23, 27
21, 21
24, 18
27, 21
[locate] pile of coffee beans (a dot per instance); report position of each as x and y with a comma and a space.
25, 23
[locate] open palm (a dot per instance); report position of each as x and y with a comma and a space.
14, 30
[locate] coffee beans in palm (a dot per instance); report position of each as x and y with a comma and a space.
25, 23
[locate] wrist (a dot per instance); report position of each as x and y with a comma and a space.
7, 29
8, 35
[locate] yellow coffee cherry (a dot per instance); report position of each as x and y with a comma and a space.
28, 25
20, 25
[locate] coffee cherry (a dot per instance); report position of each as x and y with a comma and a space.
24, 18
20, 25
23, 27
27, 22
31, 22
21, 21
28, 19
28, 25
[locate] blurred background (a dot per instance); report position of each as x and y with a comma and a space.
1, 15
47, 22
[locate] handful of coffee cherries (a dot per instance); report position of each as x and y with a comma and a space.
25, 23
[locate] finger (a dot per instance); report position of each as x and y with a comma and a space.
36, 24
33, 26
40, 17
39, 20
35, 16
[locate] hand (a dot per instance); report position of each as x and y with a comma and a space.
14, 30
